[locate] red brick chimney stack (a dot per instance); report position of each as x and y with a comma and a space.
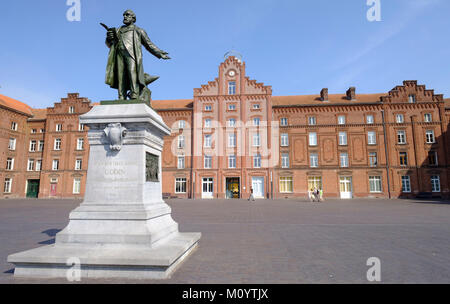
324, 94
351, 93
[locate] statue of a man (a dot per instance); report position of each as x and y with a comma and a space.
125, 71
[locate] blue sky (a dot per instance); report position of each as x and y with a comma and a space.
296, 46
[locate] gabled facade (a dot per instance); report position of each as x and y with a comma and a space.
234, 137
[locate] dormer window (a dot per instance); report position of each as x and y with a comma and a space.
232, 88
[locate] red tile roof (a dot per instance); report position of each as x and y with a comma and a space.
39, 114
172, 104
332, 99
16, 105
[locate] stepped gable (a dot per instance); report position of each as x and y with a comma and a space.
400, 94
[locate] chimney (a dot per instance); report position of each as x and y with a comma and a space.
324, 94
351, 93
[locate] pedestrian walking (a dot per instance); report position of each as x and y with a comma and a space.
251, 195
321, 194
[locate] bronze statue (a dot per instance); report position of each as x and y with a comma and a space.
125, 71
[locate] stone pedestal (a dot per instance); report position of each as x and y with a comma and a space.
123, 228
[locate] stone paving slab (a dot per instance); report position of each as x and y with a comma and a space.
271, 241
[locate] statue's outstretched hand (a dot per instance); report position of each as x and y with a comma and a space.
164, 55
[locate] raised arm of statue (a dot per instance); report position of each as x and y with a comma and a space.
151, 47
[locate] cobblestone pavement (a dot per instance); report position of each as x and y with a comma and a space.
281, 241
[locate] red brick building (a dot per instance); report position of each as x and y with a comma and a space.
233, 136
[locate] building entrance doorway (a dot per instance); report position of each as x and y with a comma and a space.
232, 188
258, 187
208, 187
33, 188
345, 185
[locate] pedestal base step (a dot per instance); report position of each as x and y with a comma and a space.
105, 261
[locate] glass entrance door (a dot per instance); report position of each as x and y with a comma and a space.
232, 189
207, 187
345, 185
258, 187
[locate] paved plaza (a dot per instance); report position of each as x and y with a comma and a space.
272, 241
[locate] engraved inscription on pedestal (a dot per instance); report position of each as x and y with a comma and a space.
151, 167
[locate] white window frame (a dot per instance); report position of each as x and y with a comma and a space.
76, 186
283, 121
38, 166
232, 161
314, 160
256, 121
208, 108
231, 87
7, 187
406, 184
342, 120
181, 124
312, 139
256, 140
371, 137
78, 164
71, 109
343, 138
288, 183
181, 162
207, 123
80, 127
40, 146
232, 123
435, 183
232, 140
257, 161
30, 164
208, 141
256, 106
284, 139
401, 137
399, 118
343, 157
371, 120
32, 146
80, 144
412, 98
58, 127
180, 185
10, 164
284, 160
57, 144
181, 142
428, 117
232, 107
312, 121
375, 184
12, 144
207, 162
55, 165
429, 137
14, 125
